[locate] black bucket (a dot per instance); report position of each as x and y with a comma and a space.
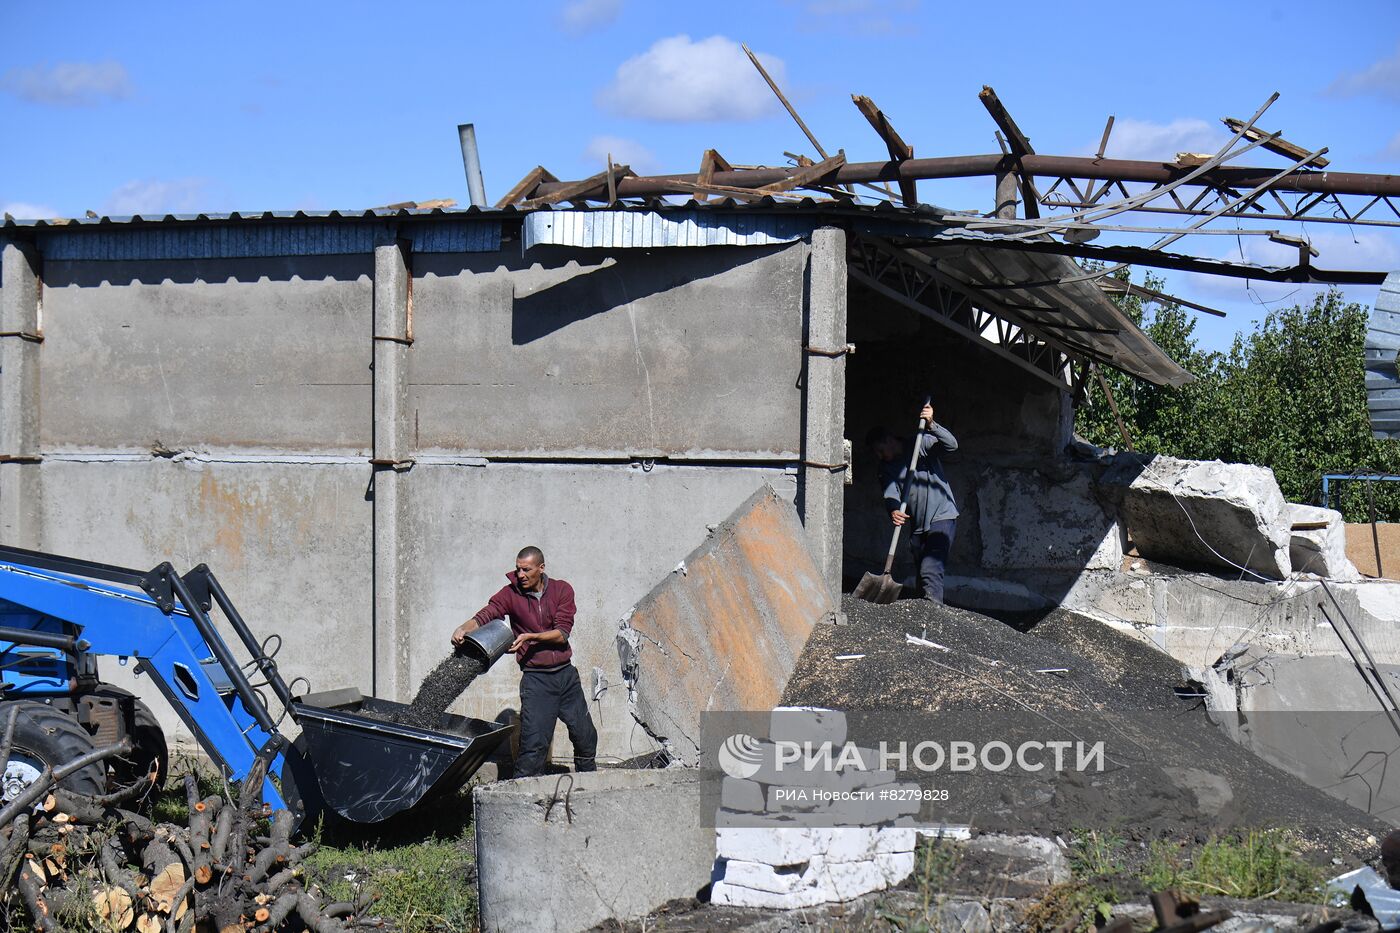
368, 770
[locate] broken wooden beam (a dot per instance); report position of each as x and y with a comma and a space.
593, 184
710, 163
806, 174
1278, 145
527, 186
1018, 142
898, 148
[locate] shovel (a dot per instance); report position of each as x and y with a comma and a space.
884, 589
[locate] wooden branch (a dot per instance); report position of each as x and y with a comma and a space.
527, 185
1278, 145
805, 175
51, 776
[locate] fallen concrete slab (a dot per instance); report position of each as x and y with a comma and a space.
566, 852
1319, 550
1043, 520
724, 630
1203, 513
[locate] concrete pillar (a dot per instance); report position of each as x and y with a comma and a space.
824, 415
21, 301
393, 338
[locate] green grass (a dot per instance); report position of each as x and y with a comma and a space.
1107, 870
424, 887
1255, 865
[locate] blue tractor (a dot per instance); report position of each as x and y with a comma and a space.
59, 615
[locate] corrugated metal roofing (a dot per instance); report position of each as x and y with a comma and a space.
1382, 344
1034, 279
655, 229
1042, 290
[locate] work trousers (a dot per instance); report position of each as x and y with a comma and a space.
545, 698
930, 550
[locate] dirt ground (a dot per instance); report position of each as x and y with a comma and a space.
1171, 772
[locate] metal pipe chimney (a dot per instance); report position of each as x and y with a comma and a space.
471, 162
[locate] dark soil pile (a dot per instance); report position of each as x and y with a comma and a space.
1171, 773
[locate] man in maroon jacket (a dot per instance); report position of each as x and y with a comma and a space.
541, 611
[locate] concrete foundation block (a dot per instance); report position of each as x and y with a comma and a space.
725, 630
1030, 519
1198, 513
740, 795
633, 843
1320, 551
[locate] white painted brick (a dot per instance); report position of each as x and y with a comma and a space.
894, 839
786, 846
733, 895
784, 879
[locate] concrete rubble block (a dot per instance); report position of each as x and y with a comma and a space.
1030, 519
1028, 859
1203, 513
634, 841
724, 630
741, 795
1320, 551
805, 884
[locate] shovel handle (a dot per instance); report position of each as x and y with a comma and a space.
908, 481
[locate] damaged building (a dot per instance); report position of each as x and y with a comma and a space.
358, 419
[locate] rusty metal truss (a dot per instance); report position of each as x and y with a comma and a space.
918, 285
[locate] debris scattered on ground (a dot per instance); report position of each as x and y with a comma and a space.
78, 862
1185, 778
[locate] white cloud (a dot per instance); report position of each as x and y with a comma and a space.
1143, 139
580, 16
154, 196
69, 84
22, 210
861, 17
681, 80
1381, 78
624, 152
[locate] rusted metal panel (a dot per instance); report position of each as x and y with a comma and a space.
723, 631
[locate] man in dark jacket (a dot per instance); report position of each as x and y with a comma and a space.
932, 510
541, 611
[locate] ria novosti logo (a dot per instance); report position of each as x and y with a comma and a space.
740, 756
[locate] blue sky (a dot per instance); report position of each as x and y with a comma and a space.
153, 107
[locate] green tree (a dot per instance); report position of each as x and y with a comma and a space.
1289, 395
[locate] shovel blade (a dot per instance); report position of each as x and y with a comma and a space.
877, 588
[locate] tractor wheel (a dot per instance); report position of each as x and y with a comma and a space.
149, 751
46, 738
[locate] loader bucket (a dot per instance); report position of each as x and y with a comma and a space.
368, 770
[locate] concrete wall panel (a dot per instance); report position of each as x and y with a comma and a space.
290, 543
262, 354
611, 531
586, 354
